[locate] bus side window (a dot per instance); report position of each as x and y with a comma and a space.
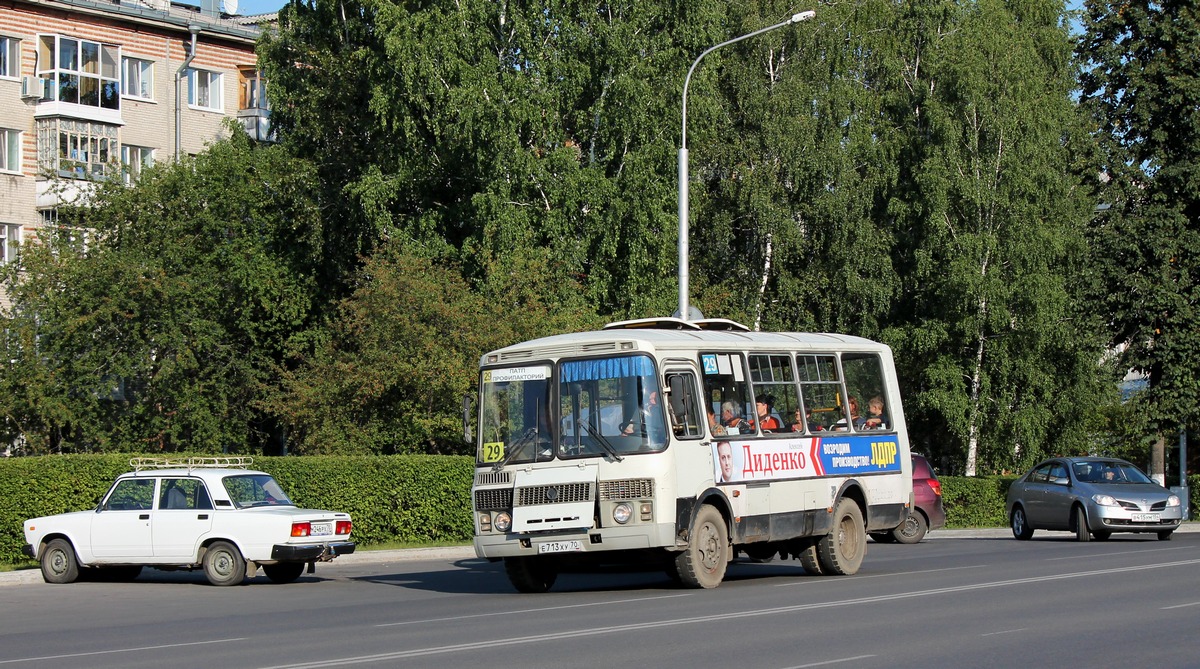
727, 391
682, 406
864, 378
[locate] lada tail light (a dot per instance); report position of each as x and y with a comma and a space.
301, 529
343, 527
936, 486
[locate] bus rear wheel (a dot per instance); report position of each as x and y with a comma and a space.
702, 564
530, 574
841, 551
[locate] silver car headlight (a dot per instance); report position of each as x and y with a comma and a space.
622, 512
1104, 500
1173, 500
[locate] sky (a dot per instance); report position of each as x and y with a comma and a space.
248, 7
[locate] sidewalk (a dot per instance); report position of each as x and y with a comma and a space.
34, 576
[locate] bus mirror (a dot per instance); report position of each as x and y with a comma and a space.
466, 408
680, 395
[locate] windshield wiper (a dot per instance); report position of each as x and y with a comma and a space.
527, 438
600, 439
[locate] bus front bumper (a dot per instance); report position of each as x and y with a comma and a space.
641, 536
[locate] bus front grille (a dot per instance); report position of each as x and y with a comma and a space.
493, 500
561, 493
627, 489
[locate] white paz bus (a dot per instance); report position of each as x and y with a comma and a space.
680, 444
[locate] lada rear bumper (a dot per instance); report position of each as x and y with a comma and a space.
308, 552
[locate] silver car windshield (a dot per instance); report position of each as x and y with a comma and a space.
1108, 471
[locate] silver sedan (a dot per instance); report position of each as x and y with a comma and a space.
1092, 497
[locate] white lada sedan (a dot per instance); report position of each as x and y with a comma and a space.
189, 513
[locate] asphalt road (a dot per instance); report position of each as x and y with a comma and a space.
959, 599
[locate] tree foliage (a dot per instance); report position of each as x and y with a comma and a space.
154, 318
1141, 86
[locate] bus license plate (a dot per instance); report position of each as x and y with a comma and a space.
1145, 518
321, 529
560, 547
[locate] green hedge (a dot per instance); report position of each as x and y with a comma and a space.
415, 498
402, 498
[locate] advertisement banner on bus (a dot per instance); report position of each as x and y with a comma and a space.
738, 461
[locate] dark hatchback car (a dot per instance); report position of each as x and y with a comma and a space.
927, 513
1092, 497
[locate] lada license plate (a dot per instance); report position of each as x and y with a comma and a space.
561, 546
1145, 518
321, 529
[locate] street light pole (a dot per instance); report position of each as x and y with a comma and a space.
683, 158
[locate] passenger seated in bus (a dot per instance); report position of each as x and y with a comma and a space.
842, 425
765, 420
731, 418
647, 421
717, 429
874, 419
799, 422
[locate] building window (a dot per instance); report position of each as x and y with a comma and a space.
83, 72
134, 159
75, 149
137, 78
254, 90
10, 240
204, 89
10, 150
10, 57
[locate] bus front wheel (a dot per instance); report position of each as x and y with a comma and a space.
530, 574
703, 563
841, 551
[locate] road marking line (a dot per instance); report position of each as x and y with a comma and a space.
118, 650
829, 662
1179, 606
548, 608
1022, 629
1134, 552
709, 619
888, 575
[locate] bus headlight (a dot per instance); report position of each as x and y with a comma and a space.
622, 512
503, 522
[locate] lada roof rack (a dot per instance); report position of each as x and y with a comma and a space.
201, 462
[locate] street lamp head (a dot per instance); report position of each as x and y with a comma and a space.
803, 16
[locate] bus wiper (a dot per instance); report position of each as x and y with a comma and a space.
600, 439
521, 442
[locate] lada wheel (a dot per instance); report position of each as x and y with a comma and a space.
702, 564
284, 572
223, 564
58, 562
841, 551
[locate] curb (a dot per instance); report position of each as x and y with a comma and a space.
385, 557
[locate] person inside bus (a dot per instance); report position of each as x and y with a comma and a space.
725, 459
717, 429
765, 420
843, 425
799, 421
647, 421
731, 418
874, 418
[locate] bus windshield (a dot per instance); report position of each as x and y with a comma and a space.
606, 407
610, 406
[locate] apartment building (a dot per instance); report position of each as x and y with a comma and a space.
96, 89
